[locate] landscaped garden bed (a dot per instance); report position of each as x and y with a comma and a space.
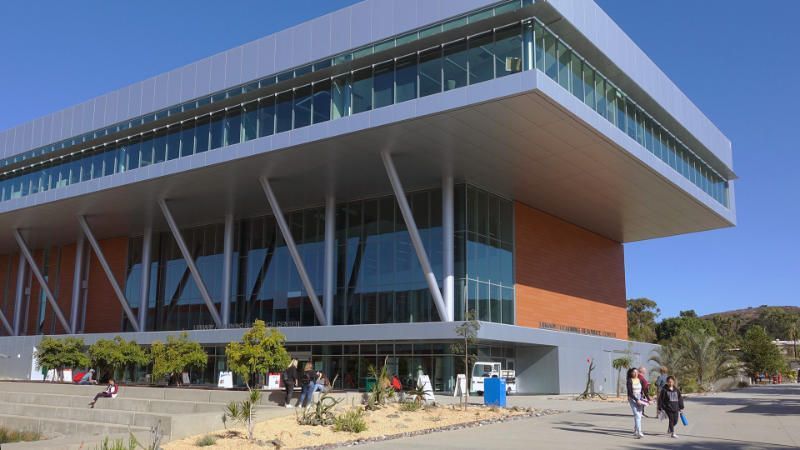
389, 422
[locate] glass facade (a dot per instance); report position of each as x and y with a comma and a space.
348, 363
378, 278
480, 57
484, 256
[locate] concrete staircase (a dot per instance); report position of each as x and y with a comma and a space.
61, 413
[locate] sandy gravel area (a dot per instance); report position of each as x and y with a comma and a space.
389, 420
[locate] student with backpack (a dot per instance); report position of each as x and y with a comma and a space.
670, 401
289, 380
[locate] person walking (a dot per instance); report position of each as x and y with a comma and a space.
661, 381
307, 381
111, 392
289, 380
645, 386
670, 401
636, 401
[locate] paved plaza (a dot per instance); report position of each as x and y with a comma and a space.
765, 417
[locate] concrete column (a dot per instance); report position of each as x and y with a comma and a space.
330, 249
144, 285
77, 278
413, 233
20, 293
448, 241
187, 256
295, 254
227, 270
109, 273
42, 282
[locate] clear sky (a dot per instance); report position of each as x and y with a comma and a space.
737, 60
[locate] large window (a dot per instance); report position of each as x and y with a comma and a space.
484, 259
451, 65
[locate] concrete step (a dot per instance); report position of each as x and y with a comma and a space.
86, 414
64, 427
186, 394
120, 403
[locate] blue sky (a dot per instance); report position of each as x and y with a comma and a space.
740, 68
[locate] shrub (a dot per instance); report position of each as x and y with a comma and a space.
410, 406
117, 444
351, 421
742, 384
206, 441
7, 436
320, 413
244, 412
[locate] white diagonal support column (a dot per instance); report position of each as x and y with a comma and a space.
416, 240
298, 261
448, 238
77, 281
101, 258
20, 293
23, 247
330, 249
144, 286
187, 256
6, 325
227, 270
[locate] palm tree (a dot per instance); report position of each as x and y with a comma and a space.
696, 356
621, 363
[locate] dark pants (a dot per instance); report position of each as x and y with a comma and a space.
289, 391
672, 419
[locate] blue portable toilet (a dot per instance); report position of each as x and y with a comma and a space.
494, 392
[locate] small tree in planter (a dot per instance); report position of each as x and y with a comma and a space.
468, 330
59, 354
116, 354
176, 356
621, 363
260, 351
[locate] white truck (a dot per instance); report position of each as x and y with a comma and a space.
483, 370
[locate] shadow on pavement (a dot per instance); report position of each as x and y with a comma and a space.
779, 400
661, 441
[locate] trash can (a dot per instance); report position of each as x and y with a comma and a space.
369, 383
494, 392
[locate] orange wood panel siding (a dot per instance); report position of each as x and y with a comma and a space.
567, 276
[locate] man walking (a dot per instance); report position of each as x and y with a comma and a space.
645, 387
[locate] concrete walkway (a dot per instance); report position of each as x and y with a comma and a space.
766, 417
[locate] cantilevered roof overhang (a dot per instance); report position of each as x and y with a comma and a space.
521, 136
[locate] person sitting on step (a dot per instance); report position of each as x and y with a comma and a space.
111, 392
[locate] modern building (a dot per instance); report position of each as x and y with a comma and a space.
365, 181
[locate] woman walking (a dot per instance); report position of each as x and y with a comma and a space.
670, 401
289, 380
636, 401
307, 390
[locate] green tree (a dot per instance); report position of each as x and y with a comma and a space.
114, 355
60, 354
673, 326
642, 314
261, 350
176, 356
468, 330
760, 354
